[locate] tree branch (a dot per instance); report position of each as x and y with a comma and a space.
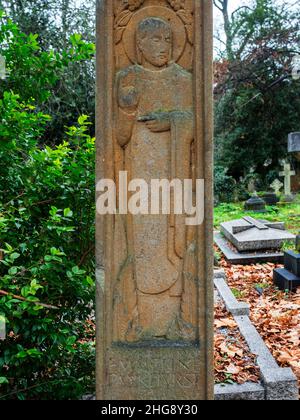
44, 305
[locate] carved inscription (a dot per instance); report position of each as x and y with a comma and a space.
151, 370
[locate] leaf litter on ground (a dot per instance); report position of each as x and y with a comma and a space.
234, 363
275, 314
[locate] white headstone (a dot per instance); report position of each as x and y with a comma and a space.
276, 186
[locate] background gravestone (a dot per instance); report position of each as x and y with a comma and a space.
255, 204
294, 142
154, 113
294, 149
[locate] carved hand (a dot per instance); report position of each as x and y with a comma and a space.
128, 93
159, 125
129, 99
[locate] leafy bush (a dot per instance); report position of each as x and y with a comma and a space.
49, 78
46, 288
224, 185
46, 234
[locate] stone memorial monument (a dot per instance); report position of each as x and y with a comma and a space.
294, 143
154, 273
270, 198
2, 68
255, 204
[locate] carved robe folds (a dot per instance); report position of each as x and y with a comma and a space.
163, 293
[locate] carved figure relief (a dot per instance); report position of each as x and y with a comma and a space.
155, 287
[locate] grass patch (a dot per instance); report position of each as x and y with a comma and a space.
289, 214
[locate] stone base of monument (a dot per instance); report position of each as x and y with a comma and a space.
233, 256
287, 199
288, 278
276, 383
255, 204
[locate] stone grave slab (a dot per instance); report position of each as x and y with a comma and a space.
292, 262
233, 256
248, 234
251, 241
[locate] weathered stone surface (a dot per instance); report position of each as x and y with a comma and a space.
248, 234
154, 113
232, 305
235, 257
152, 371
245, 392
277, 383
280, 384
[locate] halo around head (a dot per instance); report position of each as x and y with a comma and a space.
178, 29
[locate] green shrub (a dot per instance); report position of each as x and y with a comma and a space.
224, 185
46, 230
47, 237
49, 79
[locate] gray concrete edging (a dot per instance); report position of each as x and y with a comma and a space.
277, 383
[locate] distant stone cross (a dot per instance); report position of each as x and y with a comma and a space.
287, 174
276, 186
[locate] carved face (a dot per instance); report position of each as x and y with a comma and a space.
154, 42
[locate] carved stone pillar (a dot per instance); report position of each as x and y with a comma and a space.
154, 271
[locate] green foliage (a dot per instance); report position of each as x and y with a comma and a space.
288, 246
52, 79
46, 225
224, 185
289, 214
47, 236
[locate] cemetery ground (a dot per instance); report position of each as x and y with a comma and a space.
275, 314
287, 213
